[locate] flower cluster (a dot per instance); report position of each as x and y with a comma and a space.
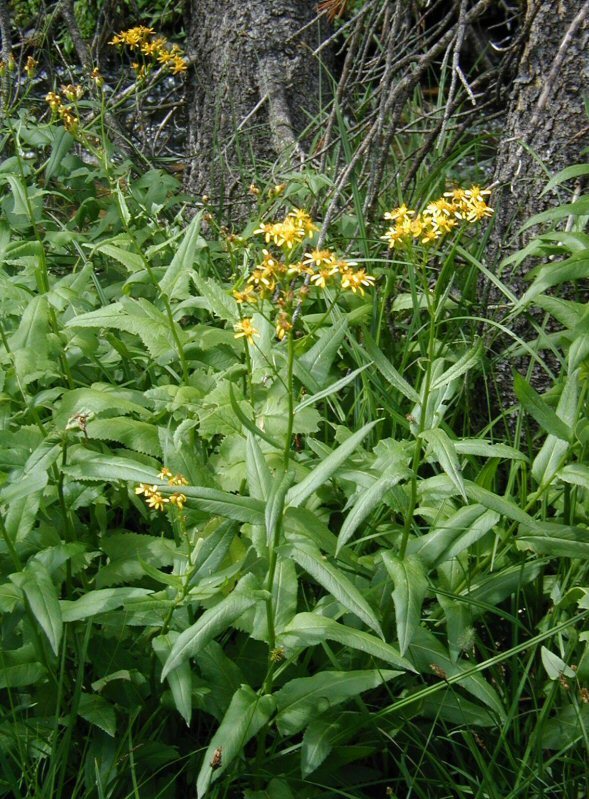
151, 47
286, 278
153, 496
438, 218
59, 104
31, 65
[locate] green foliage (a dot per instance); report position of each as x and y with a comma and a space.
351, 563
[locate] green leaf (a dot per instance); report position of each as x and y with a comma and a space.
477, 446
37, 586
570, 172
275, 506
328, 466
318, 742
388, 371
553, 539
554, 449
212, 622
366, 503
540, 410
245, 717
174, 283
553, 274
410, 586
219, 301
111, 468
21, 674
63, 141
180, 679
96, 710
130, 260
452, 536
502, 505
100, 601
303, 699
554, 665
443, 450
332, 389
310, 629
575, 473
317, 362
232, 506
133, 434
259, 478
427, 650
462, 365
335, 582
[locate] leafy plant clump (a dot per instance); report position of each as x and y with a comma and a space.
253, 541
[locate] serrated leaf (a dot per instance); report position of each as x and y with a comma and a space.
96, 710
212, 622
111, 468
245, 717
335, 582
310, 629
219, 301
130, 260
410, 586
328, 466
133, 434
304, 698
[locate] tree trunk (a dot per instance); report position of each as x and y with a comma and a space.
546, 130
254, 89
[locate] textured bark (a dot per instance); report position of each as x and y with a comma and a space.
254, 88
546, 129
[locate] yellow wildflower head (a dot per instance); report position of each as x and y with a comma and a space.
356, 280
245, 329
31, 65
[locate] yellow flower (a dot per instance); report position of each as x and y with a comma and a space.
72, 92
53, 100
165, 473
245, 329
400, 213
156, 501
247, 295
303, 221
179, 500
96, 77
319, 257
283, 325
356, 280
31, 66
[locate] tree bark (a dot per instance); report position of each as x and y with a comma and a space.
254, 89
546, 131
